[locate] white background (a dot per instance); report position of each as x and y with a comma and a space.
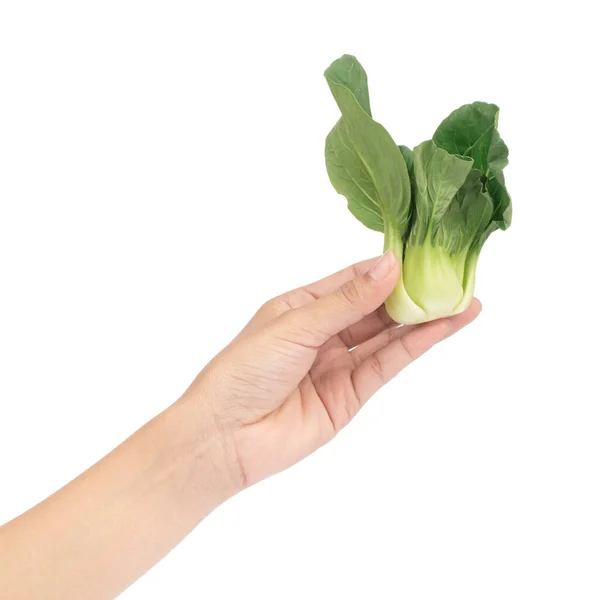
162, 175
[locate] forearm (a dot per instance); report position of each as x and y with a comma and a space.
98, 534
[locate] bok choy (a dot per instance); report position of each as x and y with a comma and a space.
436, 204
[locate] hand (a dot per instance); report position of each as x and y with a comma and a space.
293, 378
305, 365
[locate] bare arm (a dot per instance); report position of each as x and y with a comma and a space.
98, 534
291, 380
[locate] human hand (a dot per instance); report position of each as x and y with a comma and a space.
305, 365
294, 377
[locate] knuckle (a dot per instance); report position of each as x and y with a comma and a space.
407, 349
376, 366
270, 304
273, 307
358, 271
351, 293
347, 338
298, 298
288, 301
393, 334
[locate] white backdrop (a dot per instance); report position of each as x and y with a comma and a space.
162, 175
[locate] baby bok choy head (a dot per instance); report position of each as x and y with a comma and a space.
435, 204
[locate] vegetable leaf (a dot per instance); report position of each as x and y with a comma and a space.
502, 201
468, 131
468, 216
350, 74
498, 156
350, 178
408, 156
471, 130
364, 163
438, 176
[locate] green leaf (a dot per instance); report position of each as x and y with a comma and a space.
437, 177
350, 178
363, 162
493, 226
477, 219
498, 156
349, 73
502, 202
468, 131
471, 130
459, 227
408, 156
471, 188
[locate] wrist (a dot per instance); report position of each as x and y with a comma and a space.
207, 446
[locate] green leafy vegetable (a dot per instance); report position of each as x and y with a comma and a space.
436, 204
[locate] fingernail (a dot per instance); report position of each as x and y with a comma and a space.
383, 266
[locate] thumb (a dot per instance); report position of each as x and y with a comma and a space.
313, 324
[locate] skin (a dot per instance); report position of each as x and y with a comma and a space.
290, 381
